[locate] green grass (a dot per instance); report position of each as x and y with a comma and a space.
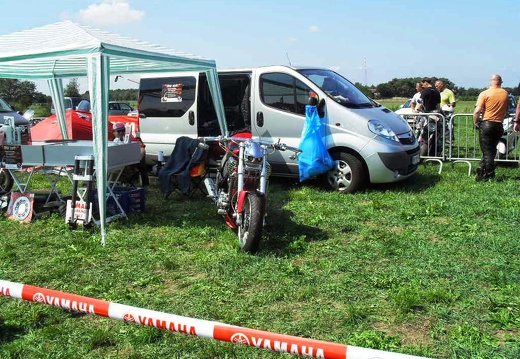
428, 266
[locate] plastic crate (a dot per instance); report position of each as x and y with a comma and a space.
131, 199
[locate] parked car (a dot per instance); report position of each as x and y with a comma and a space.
7, 110
71, 103
119, 108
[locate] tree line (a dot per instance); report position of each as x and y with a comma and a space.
405, 87
23, 94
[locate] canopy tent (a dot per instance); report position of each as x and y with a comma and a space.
68, 50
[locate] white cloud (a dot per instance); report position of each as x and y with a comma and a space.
314, 28
109, 12
292, 40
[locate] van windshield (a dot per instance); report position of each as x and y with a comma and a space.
338, 88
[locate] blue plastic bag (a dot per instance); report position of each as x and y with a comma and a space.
314, 159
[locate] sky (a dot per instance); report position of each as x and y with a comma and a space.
367, 41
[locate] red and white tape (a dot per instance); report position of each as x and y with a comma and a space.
202, 328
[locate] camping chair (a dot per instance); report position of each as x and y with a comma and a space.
185, 170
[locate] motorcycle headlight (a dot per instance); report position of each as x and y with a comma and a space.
382, 130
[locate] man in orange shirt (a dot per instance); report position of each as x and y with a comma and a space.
488, 116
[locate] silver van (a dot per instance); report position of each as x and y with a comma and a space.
369, 143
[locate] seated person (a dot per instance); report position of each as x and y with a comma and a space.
119, 131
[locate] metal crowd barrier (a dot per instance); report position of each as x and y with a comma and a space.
458, 139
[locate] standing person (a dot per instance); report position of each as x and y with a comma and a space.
517, 117
431, 98
488, 116
447, 105
416, 98
447, 96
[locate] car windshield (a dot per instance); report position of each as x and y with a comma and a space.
84, 105
4, 106
338, 88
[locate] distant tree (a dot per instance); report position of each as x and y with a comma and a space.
26, 95
9, 89
72, 88
20, 94
360, 86
516, 91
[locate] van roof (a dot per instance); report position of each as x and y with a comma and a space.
243, 69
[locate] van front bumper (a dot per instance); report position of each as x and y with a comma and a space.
399, 165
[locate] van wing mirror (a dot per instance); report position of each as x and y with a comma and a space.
321, 108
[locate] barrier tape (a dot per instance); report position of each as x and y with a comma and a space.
202, 328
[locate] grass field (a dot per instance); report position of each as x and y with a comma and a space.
461, 107
428, 266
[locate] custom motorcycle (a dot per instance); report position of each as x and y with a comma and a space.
239, 186
509, 139
430, 134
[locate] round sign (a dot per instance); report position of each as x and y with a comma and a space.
21, 208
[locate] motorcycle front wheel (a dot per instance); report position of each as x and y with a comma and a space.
250, 231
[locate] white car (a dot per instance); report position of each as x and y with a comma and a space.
405, 111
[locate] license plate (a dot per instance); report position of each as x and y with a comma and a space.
416, 158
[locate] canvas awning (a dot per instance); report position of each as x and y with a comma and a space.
68, 50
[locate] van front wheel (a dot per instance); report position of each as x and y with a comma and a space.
348, 174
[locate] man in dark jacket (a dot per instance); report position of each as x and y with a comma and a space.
431, 98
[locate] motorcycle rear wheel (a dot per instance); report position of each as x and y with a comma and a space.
250, 231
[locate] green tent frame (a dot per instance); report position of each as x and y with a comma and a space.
68, 50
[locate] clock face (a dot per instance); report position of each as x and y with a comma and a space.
21, 208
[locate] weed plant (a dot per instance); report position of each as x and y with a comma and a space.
428, 266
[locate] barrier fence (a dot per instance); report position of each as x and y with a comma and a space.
202, 328
455, 139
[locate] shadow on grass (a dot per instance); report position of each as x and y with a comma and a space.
8, 333
282, 235
195, 211
419, 182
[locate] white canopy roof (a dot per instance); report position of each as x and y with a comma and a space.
61, 50
66, 50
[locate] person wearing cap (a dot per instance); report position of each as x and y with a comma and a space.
490, 111
119, 131
430, 97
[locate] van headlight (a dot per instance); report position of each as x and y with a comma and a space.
382, 130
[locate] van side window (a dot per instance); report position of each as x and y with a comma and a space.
284, 92
167, 96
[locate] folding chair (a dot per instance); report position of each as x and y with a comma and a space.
185, 170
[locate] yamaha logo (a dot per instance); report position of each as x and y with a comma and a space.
39, 298
240, 338
129, 317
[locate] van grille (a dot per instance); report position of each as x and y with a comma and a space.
407, 138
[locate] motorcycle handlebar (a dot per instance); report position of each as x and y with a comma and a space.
277, 146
